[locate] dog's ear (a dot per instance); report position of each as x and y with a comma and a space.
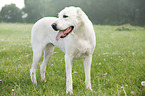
79, 11
81, 15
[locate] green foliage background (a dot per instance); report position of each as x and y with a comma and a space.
110, 12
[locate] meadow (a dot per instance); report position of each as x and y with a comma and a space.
118, 66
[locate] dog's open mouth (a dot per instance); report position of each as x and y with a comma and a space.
64, 33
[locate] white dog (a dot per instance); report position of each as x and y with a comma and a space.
73, 33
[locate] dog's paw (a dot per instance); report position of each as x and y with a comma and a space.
90, 89
43, 77
33, 76
34, 81
69, 92
43, 80
88, 86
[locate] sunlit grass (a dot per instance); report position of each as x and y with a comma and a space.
118, 63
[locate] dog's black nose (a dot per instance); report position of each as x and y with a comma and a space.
54, 26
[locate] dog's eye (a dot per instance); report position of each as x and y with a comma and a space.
65, 16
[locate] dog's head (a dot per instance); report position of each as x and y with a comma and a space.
69, 20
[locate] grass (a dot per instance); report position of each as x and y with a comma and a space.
118, 65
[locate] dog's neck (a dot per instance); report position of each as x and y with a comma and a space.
84, 34
83, 31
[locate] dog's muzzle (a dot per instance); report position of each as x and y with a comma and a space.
62, 33
54, 26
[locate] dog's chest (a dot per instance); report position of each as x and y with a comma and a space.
82, 49
80, 55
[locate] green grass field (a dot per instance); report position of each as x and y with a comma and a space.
118, 66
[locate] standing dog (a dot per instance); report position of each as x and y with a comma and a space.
73, 33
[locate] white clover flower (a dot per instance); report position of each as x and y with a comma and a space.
100, 63
105, 74
143, 83
133, 53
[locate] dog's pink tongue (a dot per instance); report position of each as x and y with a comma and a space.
60, 33
63, 33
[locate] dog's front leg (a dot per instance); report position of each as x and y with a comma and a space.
87, 67
68, 66
36, 57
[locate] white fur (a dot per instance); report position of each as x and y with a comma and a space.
79, 44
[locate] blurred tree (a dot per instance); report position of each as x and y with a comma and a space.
137, 8
111, 12
32, 8
10, 13
37, 9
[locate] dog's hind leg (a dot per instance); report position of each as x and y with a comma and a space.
36, 57
48, 51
